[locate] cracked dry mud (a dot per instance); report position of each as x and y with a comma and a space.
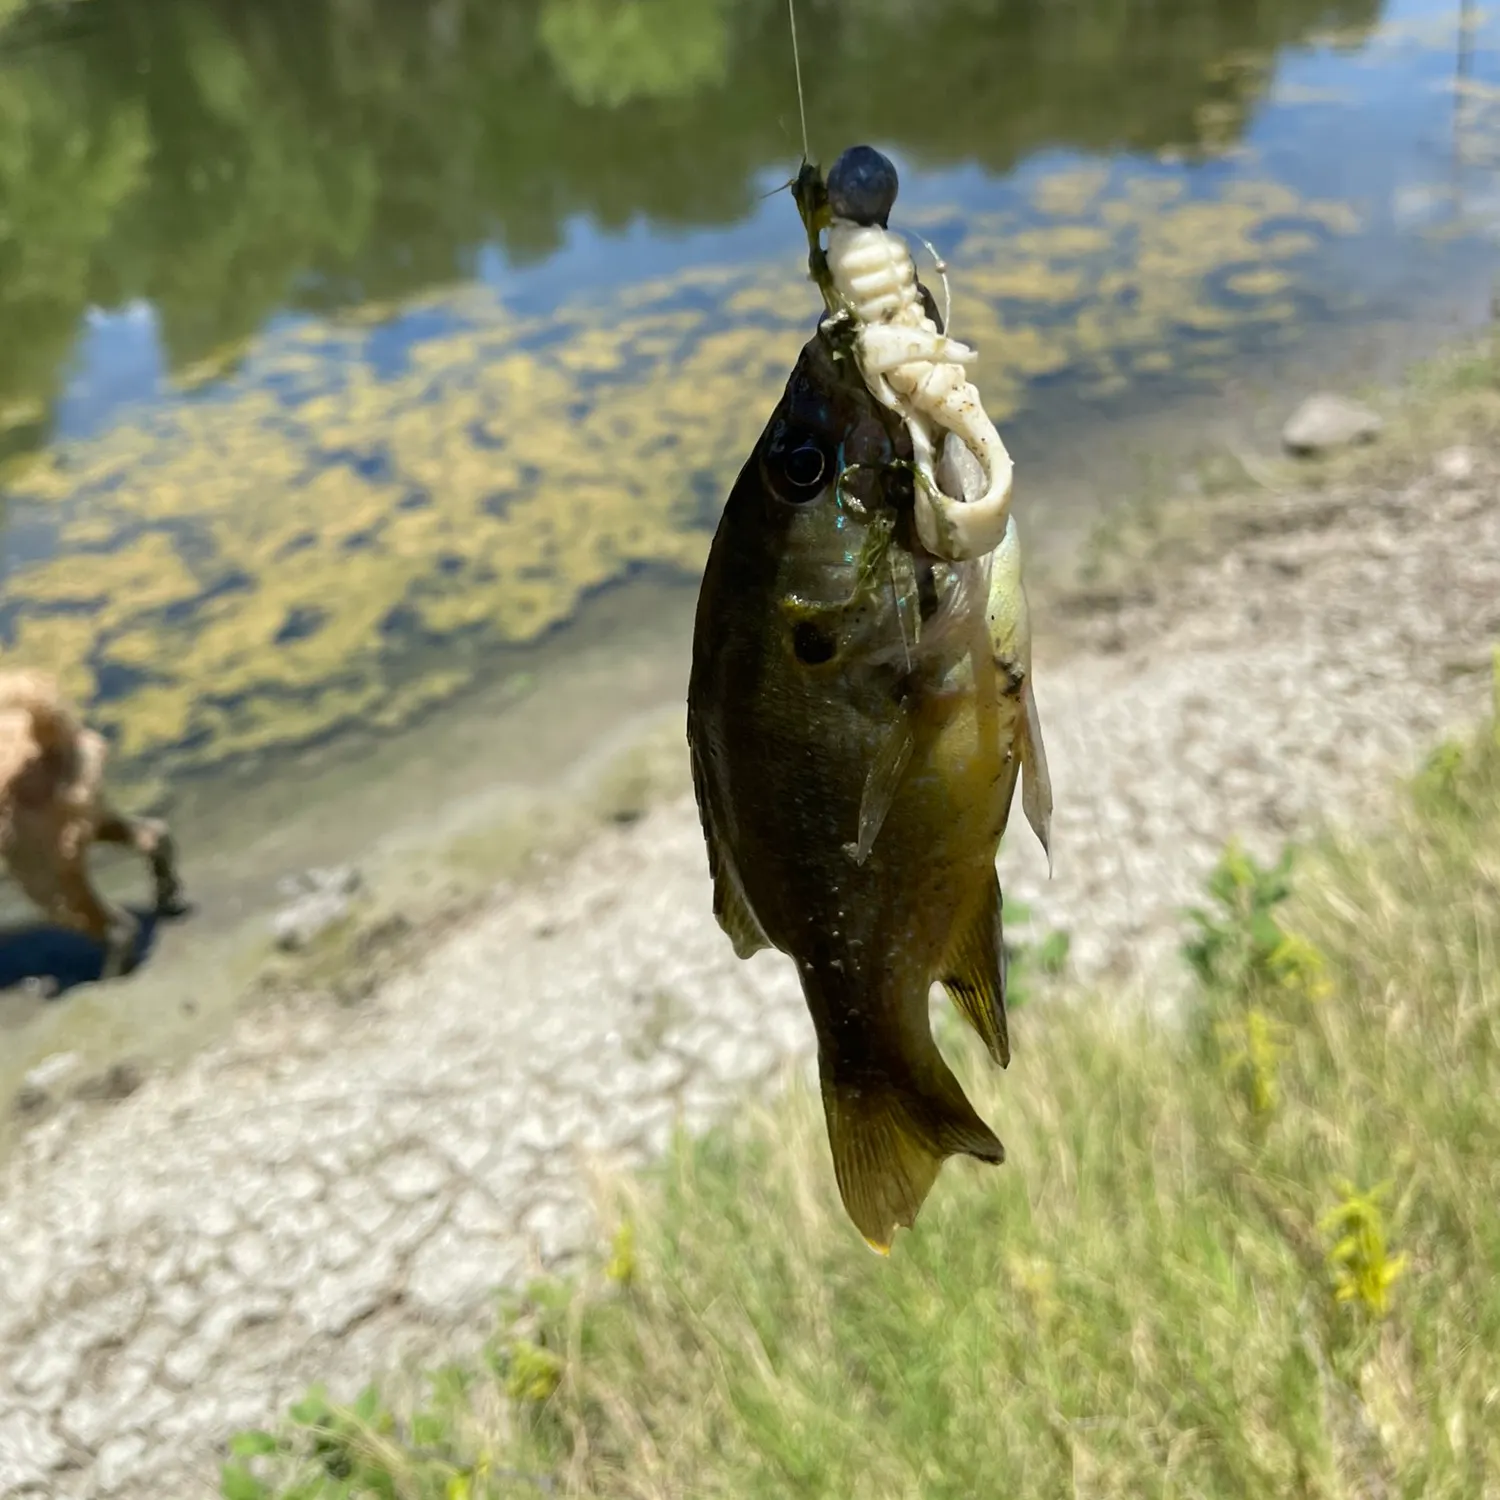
331, 1188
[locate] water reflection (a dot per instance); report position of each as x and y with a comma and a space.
225, 161
368, 470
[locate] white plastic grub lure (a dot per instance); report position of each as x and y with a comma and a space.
908, 365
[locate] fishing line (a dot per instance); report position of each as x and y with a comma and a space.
791, 15
941, 267
900, 604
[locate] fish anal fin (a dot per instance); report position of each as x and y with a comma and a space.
974, 970
735, 916
890, 1136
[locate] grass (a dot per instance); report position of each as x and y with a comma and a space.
1258, 1254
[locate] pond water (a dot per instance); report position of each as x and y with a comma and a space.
350, 348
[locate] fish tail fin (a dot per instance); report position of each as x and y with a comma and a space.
890, 1132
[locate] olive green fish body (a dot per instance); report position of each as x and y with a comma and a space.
857, 720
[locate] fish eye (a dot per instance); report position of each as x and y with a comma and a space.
800, 466
805, 467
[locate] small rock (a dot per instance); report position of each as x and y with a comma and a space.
332, 1302
412, 1175
455, 1272
118, 1461
1460, 506
52, 1070
31, 1101
383, 933
301, 924
338, 880
557, 1228
1455, 464
29, 1452
38, 1087
1326, 421
118, 1081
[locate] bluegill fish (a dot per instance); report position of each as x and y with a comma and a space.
859, 714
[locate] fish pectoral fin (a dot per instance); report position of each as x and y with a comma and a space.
1036, 779
882, 784
974, 970
890, 1136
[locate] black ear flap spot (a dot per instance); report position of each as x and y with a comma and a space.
811, 644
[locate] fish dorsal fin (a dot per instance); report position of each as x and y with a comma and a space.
974, 970
730, 906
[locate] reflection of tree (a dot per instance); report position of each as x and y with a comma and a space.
611, 51
318, 152
69, 165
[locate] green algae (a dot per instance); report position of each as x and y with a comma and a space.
257, 566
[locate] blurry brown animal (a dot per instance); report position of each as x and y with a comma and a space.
53, 806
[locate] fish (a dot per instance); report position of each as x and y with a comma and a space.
859, 714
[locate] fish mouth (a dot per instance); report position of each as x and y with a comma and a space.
874, 468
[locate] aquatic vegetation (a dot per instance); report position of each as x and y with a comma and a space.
258, 563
